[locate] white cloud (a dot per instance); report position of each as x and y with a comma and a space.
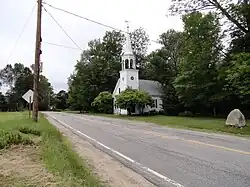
59, 62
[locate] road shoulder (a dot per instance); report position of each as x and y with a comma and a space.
110, 171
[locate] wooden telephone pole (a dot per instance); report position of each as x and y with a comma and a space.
37, 61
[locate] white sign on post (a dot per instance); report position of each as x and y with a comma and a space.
28, 96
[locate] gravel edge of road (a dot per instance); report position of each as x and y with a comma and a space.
132, 178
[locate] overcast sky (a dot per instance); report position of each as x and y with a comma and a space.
59, 62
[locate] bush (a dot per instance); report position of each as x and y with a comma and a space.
103, 103
13, 138
186, 114
145, 114
153, 112
161, 112
26, 130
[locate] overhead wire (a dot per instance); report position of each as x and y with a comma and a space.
93, 21
22, 31
62, 29
59, 45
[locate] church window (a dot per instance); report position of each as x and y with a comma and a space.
119, 90
131, 63
155, 103
126, 64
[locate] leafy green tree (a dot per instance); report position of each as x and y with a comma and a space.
129, 98
237, 14
80, 87
9, 74
99, 66
197, 77
61, 100
20, 80
45, 89
238, 76
163, 67
140, 43
103, 102
226, 8
3, 103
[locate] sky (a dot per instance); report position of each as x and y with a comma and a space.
58, 62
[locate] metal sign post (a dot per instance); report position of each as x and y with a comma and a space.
29, 107
28, 96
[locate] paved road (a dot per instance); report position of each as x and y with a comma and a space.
184, 157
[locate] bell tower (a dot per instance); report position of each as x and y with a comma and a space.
129, 75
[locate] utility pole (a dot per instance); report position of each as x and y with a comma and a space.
37, 61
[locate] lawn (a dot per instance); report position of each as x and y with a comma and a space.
193, 123
55, 152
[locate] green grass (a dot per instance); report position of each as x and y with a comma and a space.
193, 123
55, 151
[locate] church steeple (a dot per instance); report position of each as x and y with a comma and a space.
129, 75
128, 58
127, 48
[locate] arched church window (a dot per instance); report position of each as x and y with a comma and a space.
131, 64
126, 64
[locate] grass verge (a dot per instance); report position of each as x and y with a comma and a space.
54, 150
192, 123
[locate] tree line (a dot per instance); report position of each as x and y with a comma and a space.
19, 79
203, 69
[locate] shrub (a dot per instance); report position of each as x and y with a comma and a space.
161, 112
153, 112
26, 130
13, 138
103, 103
186, 114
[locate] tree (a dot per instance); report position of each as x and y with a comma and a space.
44, 89
225, 7
197, 77
163, 67
103, 102
129, 98
140, 43
23, 83
99, 66
238, 76
20, 80
237, 14
9, 74
61, 100
3, 103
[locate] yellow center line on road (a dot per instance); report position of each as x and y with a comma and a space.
197, 142
218, 146
185, 140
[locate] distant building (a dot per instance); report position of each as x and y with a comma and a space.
129, 78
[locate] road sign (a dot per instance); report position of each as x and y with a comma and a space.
28, 96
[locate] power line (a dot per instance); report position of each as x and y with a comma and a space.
63, 30
25, 25
93, 21
59, 45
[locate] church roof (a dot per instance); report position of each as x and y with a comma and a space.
152, 87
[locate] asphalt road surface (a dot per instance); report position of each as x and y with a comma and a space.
166, 156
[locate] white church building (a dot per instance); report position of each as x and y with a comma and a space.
129, 78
